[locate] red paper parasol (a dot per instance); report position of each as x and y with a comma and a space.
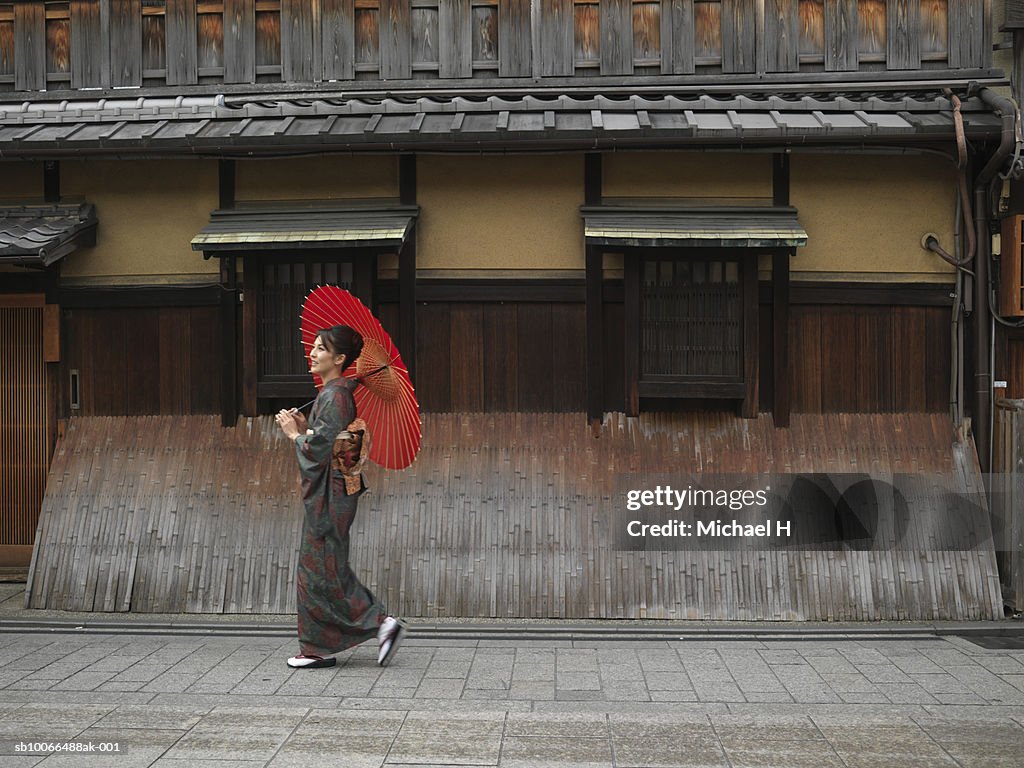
385, 400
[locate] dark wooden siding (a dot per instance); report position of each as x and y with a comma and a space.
500, 356
137, 361
184, 42
850, 351
869, 359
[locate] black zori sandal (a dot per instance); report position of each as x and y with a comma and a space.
311, 662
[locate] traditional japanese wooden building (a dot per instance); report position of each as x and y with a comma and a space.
609, 236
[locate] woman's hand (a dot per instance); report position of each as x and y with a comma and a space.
300, 421
288, 421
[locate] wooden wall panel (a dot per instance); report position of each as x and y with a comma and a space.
812, 27
146, 361
739, 36
782, 35
501, 358
395, 40
455, 44
909, 360
484, 35
339, 38
586, 33
903, 34
838, 361
29, 47
181, 42
126, 42
677, 37
298, 53
616, 37
426, 45
240, 41
467, 358
515, 38
534, 353
433, 355
568, 358
557, 39
872, 28
967, 42
841, 35
707, 24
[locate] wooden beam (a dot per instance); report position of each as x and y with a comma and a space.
751, 349
780, 301
338, 30
229, 338
51, 181
455, 43
631, 328
226, 184
616, 37
126, 42
677, 48
395, 40
240, 41
840, 35
298, 46
180, 30
87, 51
29, 47
903, 34
780, 338
515, 40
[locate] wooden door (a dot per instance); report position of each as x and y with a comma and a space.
27, 419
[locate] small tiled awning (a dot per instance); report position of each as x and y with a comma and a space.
279, 228
37, 235
754, 227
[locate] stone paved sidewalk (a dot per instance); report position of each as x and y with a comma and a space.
174, 701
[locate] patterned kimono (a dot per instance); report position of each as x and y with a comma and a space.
335, 610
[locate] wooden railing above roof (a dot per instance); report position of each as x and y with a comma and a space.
126, 43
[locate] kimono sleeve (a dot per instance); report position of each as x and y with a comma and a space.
314, 451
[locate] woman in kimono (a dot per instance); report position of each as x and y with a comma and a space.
335, 611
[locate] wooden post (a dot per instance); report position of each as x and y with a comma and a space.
780, 337
250, 338
751, 348
631, 312
592, 171
780, 301
407, 268
51, 181
229, 328
226, 183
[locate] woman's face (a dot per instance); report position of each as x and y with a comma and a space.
323, 362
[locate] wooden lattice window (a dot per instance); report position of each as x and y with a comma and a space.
691, 320
691, 325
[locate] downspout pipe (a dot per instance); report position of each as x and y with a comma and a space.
1007, 110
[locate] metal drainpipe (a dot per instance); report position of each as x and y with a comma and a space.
982, 325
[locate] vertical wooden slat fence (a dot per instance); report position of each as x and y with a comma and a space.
1008, 496
26, 423
503, 515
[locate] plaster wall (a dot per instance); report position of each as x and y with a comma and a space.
21, 181
148, 212
500, 213
329, 177
865, 216
708, 176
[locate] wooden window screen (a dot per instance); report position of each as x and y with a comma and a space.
154, 39
284, 285
691, 319
58, 42
268, 37
210, 38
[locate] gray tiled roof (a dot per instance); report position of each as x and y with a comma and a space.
219, 124
40, 234
275, 227
749, 227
